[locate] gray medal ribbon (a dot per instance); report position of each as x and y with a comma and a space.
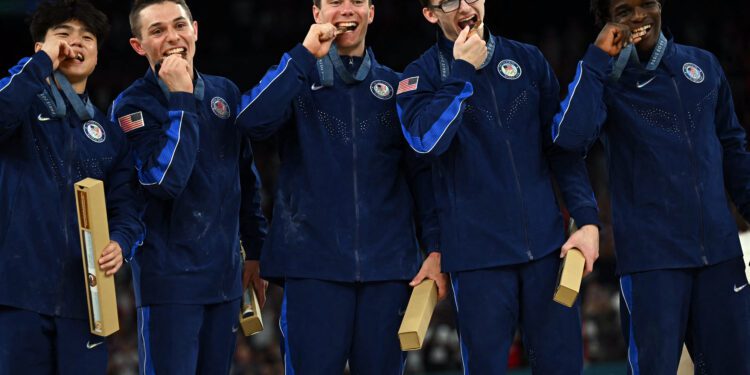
332, 62
85, 111
629, 54
198, 86
445, 68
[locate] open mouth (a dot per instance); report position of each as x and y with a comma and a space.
346, 27
472, 22
641, 31
175, 51
78, 57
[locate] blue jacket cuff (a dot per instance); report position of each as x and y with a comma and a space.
302, 57
463, 70
586, 216
182, 101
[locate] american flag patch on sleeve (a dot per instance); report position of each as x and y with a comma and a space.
406, 85
131, 122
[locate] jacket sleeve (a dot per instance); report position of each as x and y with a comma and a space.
568, 167
18, 90
419, 177
582, 113
124, 206
734, 143
164, 151
267, 106
253, 225
430, 115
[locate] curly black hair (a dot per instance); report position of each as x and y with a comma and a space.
138, 5
600, 9
52, 13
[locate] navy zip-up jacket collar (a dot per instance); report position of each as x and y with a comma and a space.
486, 131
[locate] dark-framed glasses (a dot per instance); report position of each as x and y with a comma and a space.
448, 6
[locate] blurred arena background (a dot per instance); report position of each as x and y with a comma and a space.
241, 39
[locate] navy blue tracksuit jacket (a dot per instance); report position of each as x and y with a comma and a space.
344, 209
41, 157
487, 131
675, 147
188, 154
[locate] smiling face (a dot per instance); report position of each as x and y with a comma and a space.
452, 23
354, 16
165, 29
82, 41
642, 16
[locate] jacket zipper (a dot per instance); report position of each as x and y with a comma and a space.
696, 180
357, 265
524, 219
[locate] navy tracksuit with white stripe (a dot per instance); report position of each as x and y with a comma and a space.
44, 325
487, 132
187, 273
352, 199
675, 147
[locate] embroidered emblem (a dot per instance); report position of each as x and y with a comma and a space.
509, 69
381, 89
406, 85
220, 108
94, 131
693, 72
130, 122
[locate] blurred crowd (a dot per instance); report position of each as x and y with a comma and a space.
240, 39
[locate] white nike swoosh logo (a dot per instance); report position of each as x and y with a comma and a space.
316, 87
737, 290
89, 345
42, 118
642, 85
234, 329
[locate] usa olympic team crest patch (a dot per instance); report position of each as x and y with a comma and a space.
220, 108
693, 72
94, 131
381, 89
509, 69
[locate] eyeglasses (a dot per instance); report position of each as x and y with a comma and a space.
448, 6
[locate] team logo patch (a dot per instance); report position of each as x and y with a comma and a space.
381, 89
509, 69
220, 108
130, 122
406, 85
94, 131
693, 72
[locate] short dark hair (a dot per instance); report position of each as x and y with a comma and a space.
139, 5
53, 13
317, 3
600, 9
425, 3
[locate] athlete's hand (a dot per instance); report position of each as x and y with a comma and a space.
251, 275
585, 239
58, 51
319, 39
431, 270
175, 72
470, 47
111, 259
614, 37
